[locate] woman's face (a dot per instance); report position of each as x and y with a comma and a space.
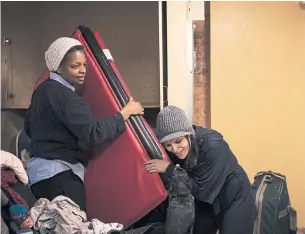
179, 146
74, 68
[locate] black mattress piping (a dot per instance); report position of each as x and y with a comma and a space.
143, 133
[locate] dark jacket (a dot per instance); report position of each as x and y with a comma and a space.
61, 125
214, 162
219, 180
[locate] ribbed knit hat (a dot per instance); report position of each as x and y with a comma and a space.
57, 51
172, 122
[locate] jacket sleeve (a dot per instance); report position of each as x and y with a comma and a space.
209, 175
76, 116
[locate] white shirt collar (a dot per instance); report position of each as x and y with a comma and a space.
55, 76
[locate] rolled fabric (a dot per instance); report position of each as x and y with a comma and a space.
11, 161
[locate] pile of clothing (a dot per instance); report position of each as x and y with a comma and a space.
21, 212
62, 215
16, 195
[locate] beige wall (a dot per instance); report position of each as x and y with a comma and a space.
258, 87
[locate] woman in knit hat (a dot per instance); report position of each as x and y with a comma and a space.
62, 128
221, 188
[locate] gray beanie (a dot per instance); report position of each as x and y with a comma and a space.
58, 50
172, 122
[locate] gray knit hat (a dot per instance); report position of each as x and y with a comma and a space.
172, 122
58, 50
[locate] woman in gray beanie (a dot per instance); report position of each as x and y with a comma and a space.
221, 188
62, 128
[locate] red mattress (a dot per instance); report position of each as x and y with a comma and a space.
117, 187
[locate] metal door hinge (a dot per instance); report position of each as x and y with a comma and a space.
7, 41
165, 94
9, 95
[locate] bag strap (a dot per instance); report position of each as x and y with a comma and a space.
278, 175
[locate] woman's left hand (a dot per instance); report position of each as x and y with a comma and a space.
156, 165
